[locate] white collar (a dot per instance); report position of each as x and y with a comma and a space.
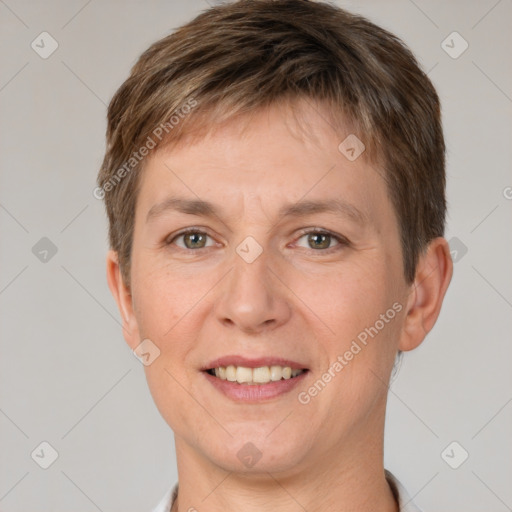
405, 503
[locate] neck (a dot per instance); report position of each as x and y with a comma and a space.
343, 479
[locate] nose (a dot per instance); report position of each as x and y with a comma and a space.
252, 298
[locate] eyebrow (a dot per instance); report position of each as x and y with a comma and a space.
300, 209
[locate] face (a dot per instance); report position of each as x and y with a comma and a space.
295, 262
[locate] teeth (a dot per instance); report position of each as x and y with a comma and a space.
276, 372
230, 373
243, 374
262, 375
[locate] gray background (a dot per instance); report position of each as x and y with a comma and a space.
66, 375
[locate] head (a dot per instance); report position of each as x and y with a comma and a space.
238, 125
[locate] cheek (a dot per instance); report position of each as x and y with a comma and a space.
175, 406
347, 300
363, 311
164, 298
167, 306
357, 313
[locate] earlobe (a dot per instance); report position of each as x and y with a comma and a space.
433, 275
123, 298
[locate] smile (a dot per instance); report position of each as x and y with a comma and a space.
254, 385
255, 376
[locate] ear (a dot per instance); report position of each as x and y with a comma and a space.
433, 275
123, 297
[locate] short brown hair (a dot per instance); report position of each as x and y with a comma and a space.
242, 56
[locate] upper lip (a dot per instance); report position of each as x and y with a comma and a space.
253, 362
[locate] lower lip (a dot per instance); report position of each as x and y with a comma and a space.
254, 392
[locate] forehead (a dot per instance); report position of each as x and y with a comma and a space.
271, 159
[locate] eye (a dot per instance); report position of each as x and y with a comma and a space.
320, 240
317, 240
192, 239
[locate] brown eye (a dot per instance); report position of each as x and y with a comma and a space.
319, 240
191, 240
194, 240
322, 241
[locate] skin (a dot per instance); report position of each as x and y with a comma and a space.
295, 301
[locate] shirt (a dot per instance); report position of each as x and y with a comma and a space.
404, 501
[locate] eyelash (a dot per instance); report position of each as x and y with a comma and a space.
342, 241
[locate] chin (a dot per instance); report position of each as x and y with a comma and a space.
259, 452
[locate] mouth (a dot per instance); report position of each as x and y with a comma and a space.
254, 380
254, 376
